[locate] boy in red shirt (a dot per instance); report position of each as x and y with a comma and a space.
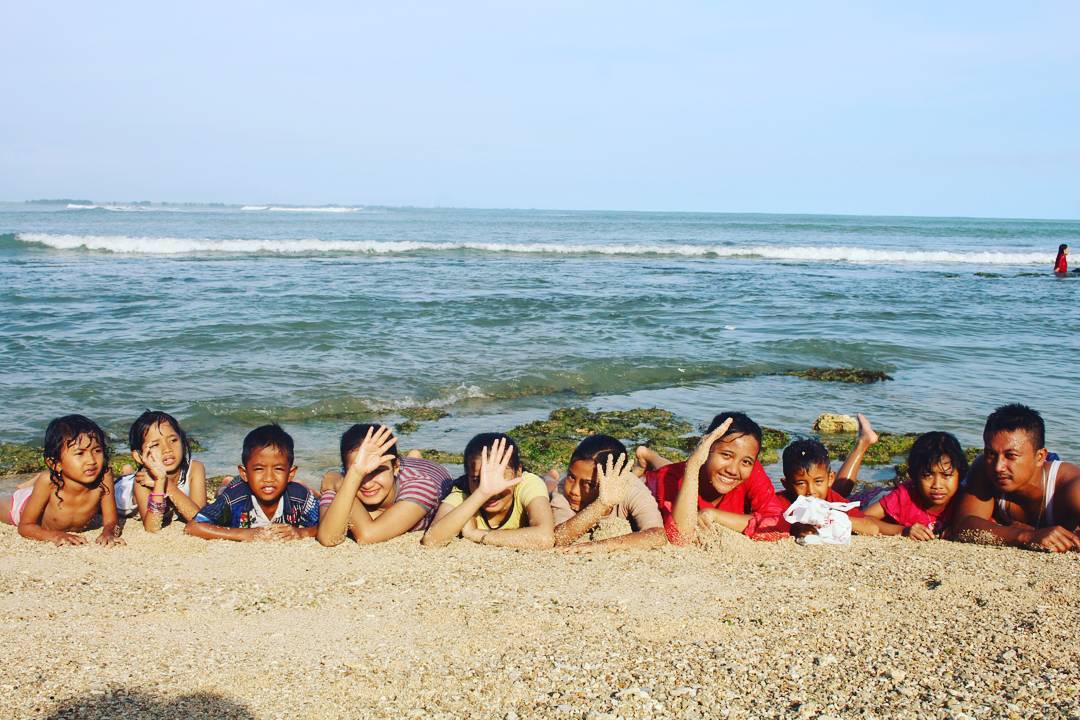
807, 472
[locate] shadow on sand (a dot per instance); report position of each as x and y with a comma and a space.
135, 704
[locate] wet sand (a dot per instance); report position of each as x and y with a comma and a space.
175, 626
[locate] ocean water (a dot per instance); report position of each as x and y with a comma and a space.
229, 317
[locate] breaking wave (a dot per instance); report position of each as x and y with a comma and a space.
125, 244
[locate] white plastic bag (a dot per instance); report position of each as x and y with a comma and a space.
831, 520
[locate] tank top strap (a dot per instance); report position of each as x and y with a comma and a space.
1049, 485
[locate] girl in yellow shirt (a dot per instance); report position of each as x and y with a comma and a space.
503, 506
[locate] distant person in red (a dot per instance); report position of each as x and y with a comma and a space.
721, 483
1061, 264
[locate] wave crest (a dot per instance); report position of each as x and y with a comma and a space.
125, 244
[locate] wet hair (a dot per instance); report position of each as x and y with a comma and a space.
1008, 418
598, 449
804, 455
354, 438
930, 449
486, 440
64, 432
272, 435
151, 418
741, 424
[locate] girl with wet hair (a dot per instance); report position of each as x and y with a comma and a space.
73, 493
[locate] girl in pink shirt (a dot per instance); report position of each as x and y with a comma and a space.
922, 507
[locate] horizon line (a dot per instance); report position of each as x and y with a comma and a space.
211, 203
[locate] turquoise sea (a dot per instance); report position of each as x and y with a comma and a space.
230, 316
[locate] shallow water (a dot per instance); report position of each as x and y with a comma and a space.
230, 317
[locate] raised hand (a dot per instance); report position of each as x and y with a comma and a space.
373, 451
153, 462
614, 479
701, 452
493, 464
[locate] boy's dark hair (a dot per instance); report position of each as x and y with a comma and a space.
63, 431
486, 440
150, 418
598, 448
354, 438
741, 424
272, 435
929, 449
804, 455
1015, 416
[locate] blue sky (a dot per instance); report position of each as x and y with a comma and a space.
923, 108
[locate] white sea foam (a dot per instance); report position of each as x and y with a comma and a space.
286, 208
112, 208
307, 246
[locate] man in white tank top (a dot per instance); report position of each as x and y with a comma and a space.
1015, 492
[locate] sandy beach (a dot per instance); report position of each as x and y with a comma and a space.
175, 626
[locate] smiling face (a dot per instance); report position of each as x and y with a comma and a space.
82, 460
939, 485
730, 462
814, 482
1013, 460
580, 487
497, 504
163, 440
377, 487
267, 472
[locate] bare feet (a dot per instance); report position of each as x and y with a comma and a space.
551, 479
867, 436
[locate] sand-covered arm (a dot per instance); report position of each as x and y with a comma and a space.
613, 481
538, 535
976, 507
346, 513
684, 514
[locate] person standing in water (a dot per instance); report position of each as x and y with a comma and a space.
1061, 263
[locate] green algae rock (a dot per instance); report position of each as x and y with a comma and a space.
882, 452
548, 443
442, 457
406, 426
845, 375
19, 458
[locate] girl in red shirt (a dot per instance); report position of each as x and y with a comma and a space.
1061, 263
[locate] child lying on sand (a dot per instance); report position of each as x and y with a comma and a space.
721, 483
600, 482
922, 507
807, 472
73, 493
169, 481
267, 505
381, 494
496, 502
